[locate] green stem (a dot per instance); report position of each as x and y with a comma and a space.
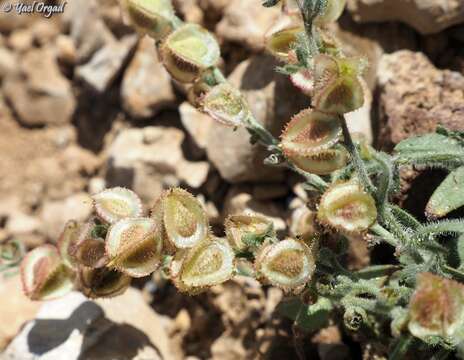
384, 234
401, 348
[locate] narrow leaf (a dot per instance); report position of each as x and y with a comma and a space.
448, 196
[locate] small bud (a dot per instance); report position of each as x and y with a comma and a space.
67, 242
323, 163
281, 37
244, 231
347, 208
288, 264
44, 275
226, 104
184, 219
102, 283
437, 309
333, 10
117, 203
309, 133
134, 246
354, 317
188, 51
152, 17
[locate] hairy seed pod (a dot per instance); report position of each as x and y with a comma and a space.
188, 51
91, 252
152, 17
281, 37
304, 81
288, 264
134, 246
226, 104
114, 204
437, 309
183, 217
347, 208
11, 252
323, 163
303, 222
245, 231
67, 243
309, 133
332, 12
44, 276
102, 283
207, 264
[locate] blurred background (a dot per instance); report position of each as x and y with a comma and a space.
85, 104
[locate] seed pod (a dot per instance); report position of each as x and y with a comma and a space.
67, 242
183, 217
280, 38
332, 12
244, 231
117, 203
304, 81
102, 283
309, 133
303, 222
347, 208
226, 104
323, 163
135, 246
91, 252
44, 276
152, 17
288, 264
437, 309
354, 318
11, 252
188, 51
207, 264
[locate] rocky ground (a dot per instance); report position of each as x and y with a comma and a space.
85, 104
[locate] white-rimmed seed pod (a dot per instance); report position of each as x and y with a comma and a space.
188, 51
347, 208
281, 37
288, 264
207, 264
323, 163
152, 17
102, 283
332, 12
91, 252
44, 276
67, 242
437, 309
134, 246
309, 133
226, 104
183, 217
246, 229
304, 81
303, 222
114, 204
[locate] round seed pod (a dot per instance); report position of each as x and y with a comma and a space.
102, 283
134, 246
280, 38
188, 51
67, 243
152, 17
288, 264
304, 81
184, 220
332, 12
44, 276
91, 252
323, 163
347, 208
309, 133
207, 264
226, 104
437, 309
246, 230
112, 205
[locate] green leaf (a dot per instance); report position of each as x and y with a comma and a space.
449, 196
308, 317
434, 150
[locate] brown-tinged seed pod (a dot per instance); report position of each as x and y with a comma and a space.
188, 51
304, 81
67, 242
323, 163
347, 208
309, 133
242, 229
114, 204
44, 276
102, 283
280, 38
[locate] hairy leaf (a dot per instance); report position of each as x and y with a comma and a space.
448, 196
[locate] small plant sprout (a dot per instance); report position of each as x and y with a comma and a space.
411, 307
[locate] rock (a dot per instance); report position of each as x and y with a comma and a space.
8, 62
21, 40
359, 121
55, 214
190, 10
246, 22
269, 191
40, 94
227, 347
427, 17
197, 125
415, 97
151, 159
273, 101
45, 31
74, 327
106, 64
15, 309
146, 87
65, 50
